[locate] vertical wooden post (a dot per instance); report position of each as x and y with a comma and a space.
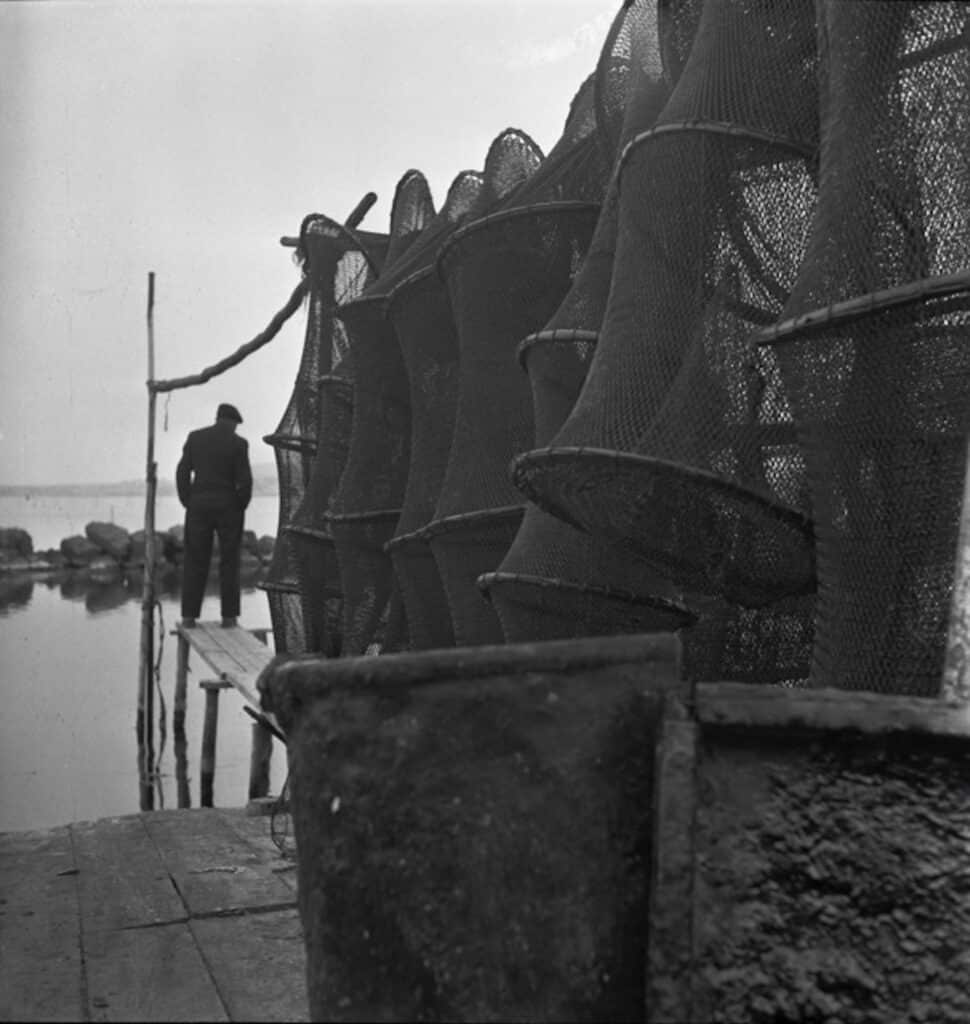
261, 752
183, 796
181, 682
259, 761
178, 722
146, 690
210, 726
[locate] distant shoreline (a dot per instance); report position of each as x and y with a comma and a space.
265, 482
165, 490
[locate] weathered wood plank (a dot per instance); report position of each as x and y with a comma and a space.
234, 654
258, 963
122, 881
226, 667
213, 870
40, 953
150, 974
257, 832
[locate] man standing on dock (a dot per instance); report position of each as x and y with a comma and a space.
215, 485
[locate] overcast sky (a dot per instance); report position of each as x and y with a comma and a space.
185, 138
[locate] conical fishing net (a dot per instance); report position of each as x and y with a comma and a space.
367, 504
681, 446
337, 261
312, 541
555, 580
419, 310
506, 273
873, 350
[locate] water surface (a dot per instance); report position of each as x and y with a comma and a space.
69, 653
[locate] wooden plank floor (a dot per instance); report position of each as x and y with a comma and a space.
235, 655
185, 915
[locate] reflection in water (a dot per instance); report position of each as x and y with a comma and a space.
74, 586
68, 739
15, 592
103, 590
102, 597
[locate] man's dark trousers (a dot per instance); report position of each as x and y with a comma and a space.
208, 514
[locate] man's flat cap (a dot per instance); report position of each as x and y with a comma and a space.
228, 412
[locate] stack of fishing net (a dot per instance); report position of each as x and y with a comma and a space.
506, 273
324, 248
421, 316
341, 263
557, 581
874, 346
681, 447
367, 504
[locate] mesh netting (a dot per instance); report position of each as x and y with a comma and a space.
556, 581
337, 263
681, 446
750, 645
311, 538
874, 350
367, 503
420, 312
506, 273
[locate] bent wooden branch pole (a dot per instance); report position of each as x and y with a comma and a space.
264, 337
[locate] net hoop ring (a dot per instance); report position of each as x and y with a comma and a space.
703, 532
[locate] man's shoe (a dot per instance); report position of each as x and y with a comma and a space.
229, 622
188, 623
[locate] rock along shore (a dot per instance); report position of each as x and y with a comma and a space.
107, 550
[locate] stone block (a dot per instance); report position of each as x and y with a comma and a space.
827, 875
12, 538
79, 551
137, 554
474, 827
111, 539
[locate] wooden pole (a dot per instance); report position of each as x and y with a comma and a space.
181, 682
178, 721
259, 761
146, 690
210, 726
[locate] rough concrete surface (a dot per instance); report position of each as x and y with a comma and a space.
476, 850
832, 878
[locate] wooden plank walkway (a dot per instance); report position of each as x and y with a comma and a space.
185, 915
235, 655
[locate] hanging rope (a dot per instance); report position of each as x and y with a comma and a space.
272, 329
162, 713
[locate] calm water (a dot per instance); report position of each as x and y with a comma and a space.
69, 677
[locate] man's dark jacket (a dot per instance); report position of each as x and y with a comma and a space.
215, 460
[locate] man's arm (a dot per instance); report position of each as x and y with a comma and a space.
183, 475
243, 474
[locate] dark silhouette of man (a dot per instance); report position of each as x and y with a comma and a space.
215, 485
